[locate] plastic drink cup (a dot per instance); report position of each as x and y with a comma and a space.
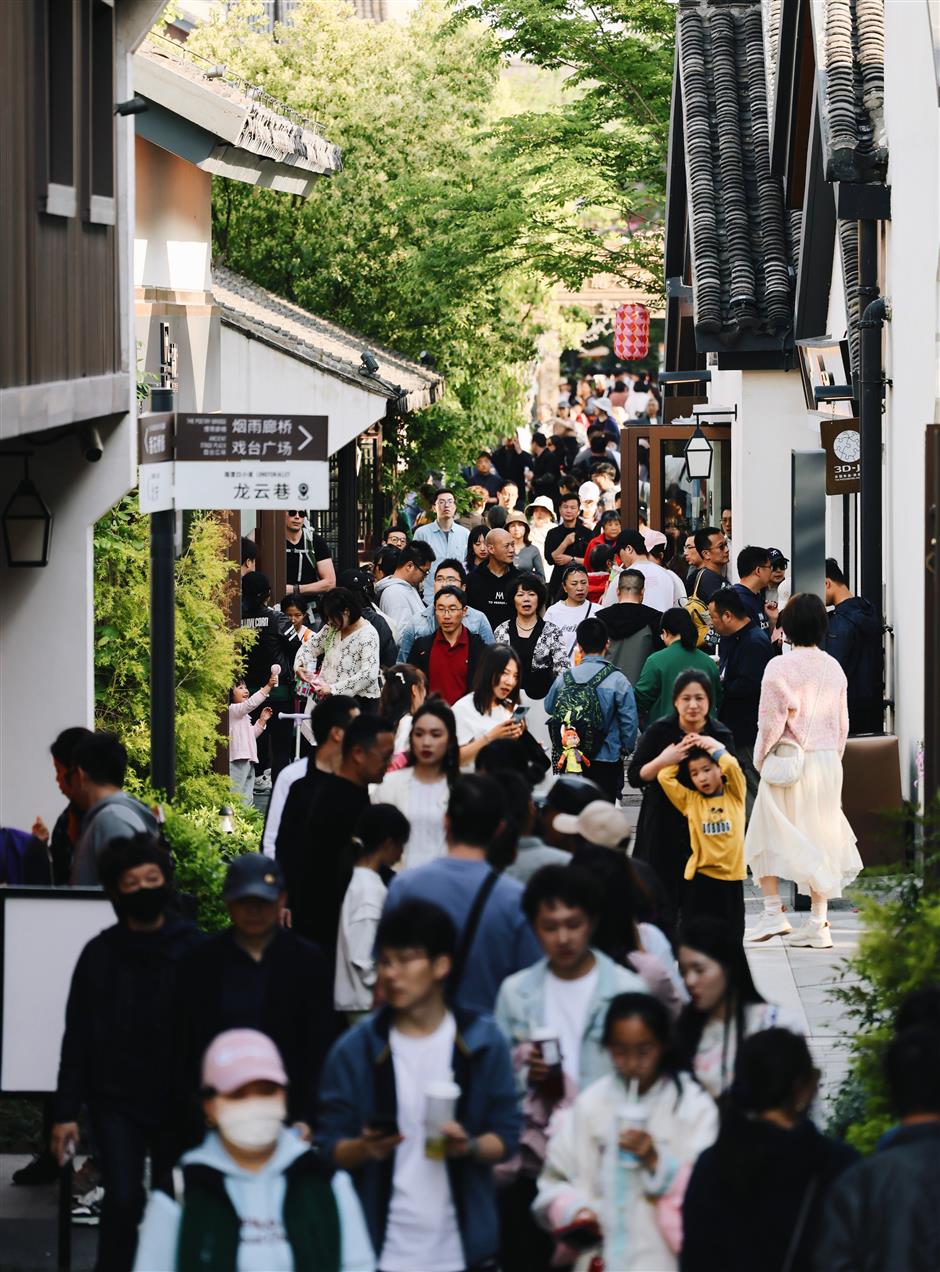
631, 1117
440, 1106
553, 1088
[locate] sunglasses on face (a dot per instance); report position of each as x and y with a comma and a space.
298, 513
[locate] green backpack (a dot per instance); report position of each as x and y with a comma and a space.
578, 706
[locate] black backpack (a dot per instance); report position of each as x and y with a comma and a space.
578, 706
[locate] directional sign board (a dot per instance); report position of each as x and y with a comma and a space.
155, 456
243, 461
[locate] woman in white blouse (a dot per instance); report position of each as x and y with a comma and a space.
421, 790
486, 714
349, 647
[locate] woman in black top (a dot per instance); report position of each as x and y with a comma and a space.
540, 647
662, 832
755, 1198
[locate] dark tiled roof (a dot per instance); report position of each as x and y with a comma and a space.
741, 236
321, 343
854, 46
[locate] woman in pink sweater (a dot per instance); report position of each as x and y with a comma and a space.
799, 832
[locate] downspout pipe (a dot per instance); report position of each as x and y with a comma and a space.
871, 395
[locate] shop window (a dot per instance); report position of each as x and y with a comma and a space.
55, 124
98, 94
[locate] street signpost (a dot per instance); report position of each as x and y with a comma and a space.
233, 461
227, 462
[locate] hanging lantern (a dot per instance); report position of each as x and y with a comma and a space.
698, 456
631, 332
27, 525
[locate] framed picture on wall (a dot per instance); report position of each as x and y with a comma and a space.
825, 365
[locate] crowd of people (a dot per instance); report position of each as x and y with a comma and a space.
462, 1017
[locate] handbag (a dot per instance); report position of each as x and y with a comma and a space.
783, 763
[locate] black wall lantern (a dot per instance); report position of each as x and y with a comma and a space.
27, 524
698, 456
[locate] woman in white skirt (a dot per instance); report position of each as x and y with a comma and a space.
798, 830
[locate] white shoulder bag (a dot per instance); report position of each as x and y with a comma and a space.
783, 763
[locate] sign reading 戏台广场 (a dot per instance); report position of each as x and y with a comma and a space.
238, 461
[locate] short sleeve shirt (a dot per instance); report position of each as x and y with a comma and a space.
300, 569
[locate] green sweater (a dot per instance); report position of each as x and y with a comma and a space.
654, 688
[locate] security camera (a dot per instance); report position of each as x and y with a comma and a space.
369, 364
135, 105
90, 443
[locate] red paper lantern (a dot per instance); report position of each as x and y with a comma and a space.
631, 332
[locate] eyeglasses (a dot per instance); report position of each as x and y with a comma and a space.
446, 503
291, 512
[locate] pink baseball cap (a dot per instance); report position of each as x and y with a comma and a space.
239, 1056
653, 538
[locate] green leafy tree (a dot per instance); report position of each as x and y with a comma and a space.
209, 656
450, 223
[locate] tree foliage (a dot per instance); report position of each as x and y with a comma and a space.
451, 221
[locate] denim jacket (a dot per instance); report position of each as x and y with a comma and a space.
618, 705
358, 1084
520, 1009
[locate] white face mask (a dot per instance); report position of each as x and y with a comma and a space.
251, 1123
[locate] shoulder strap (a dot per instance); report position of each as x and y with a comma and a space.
799, 1226
698, 579
601, 674
470, 931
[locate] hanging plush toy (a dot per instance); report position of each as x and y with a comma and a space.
572, 757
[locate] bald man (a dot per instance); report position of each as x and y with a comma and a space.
488, 587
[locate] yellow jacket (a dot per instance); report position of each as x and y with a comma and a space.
716, 822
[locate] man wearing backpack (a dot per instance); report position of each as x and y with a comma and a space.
597, 700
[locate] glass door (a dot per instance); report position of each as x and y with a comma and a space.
656, 488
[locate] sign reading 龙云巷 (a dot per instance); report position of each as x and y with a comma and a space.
243, 461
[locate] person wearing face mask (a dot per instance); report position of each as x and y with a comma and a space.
116, 1057
254, 1198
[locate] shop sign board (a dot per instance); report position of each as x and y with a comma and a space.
842, 443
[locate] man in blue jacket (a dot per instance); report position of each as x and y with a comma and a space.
429, 1200
854, 640
616, 700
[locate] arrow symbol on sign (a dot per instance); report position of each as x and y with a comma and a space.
308, 436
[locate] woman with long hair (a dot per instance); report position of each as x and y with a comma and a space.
662, 832
349, 647
540, 645
797, 828
725, 1005
403, 692
476, 547
618, 1161
655, 683
486, 714
770, 1169
421, 789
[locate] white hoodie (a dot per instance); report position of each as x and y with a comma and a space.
258, 1198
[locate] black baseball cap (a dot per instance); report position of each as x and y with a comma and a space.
570, 794
777, 558
355, 580
253, 875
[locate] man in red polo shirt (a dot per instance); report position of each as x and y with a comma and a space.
449, 657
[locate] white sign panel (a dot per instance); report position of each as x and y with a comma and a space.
155, 459
233, 462
203, 484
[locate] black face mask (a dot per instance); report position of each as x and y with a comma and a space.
144, 905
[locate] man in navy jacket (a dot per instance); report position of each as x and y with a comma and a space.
429, 1201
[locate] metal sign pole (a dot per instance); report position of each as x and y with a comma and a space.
162, 637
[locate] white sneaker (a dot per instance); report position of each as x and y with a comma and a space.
815, 936
769, 925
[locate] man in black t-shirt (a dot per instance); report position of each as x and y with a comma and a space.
569, 541
310, 570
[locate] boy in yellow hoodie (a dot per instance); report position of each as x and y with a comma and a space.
713, 804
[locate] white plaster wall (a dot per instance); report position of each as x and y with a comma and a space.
257, 378
173, 228
47, 619
912, 243
772, 421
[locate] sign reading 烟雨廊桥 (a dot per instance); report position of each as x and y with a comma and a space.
242, 461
